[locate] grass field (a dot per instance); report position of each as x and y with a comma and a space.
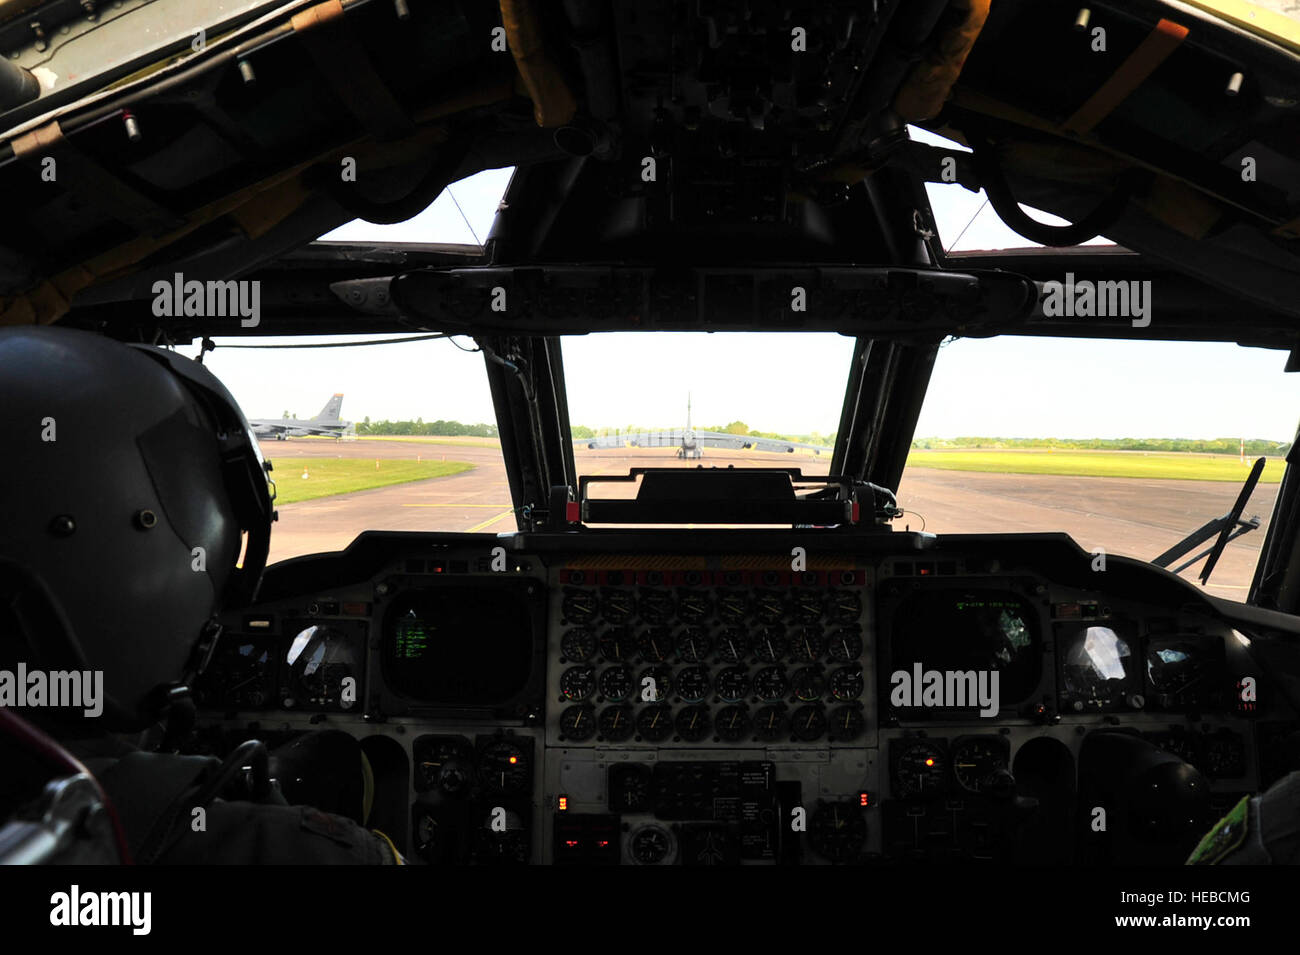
1125, 464
329, 476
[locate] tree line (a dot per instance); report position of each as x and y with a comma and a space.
1254, 446
439, 428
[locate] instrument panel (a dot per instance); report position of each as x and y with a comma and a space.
652, 706
687, 655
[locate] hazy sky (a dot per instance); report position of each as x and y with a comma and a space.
791, 383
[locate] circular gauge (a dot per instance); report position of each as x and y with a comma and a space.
616, 644
656, 606
838, 832
846, 683
654, 685
733, 644
655, 645
808, 605
615, 683
921, 768
578, 723
808, 645
974, 762
770, 683
650, 845
578, 644
769, 723
616, 605
845, 645
693, 644
846, 606
503, 767
578, 606
577, 683
769, 605
320, 660
808, 723
495, 846
693, 684
770, 644
616, 723
655, 723
732, 723
239, 677
733, 605
845, 723
731, 684
693, 723
808, 684
693, 605
427, 832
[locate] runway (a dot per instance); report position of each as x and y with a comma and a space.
1130, 517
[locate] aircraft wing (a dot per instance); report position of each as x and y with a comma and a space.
267, 428
638, 439
775, 444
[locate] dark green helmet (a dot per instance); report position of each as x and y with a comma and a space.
134, 506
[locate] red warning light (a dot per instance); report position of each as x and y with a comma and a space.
562, 804
571, 843
864, 799
513, 760
603, 843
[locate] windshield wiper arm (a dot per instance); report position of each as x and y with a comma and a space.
1229, 527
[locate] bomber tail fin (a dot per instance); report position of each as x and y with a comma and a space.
330, 413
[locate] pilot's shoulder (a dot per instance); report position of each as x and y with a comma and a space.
1226, 837
1260, 830
245, 833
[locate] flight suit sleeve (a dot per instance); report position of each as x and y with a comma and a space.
245, 833
1260, 830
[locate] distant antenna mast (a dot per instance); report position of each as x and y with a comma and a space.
688, 411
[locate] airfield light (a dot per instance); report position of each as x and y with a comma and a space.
562, 804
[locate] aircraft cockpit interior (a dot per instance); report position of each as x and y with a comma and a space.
648, 521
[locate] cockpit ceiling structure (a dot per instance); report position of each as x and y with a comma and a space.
650, 135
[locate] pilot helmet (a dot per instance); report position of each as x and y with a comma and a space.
134, 506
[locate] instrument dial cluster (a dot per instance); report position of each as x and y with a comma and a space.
703, 657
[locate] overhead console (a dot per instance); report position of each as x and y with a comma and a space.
805, 696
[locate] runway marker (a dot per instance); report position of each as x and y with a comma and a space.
490, 522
